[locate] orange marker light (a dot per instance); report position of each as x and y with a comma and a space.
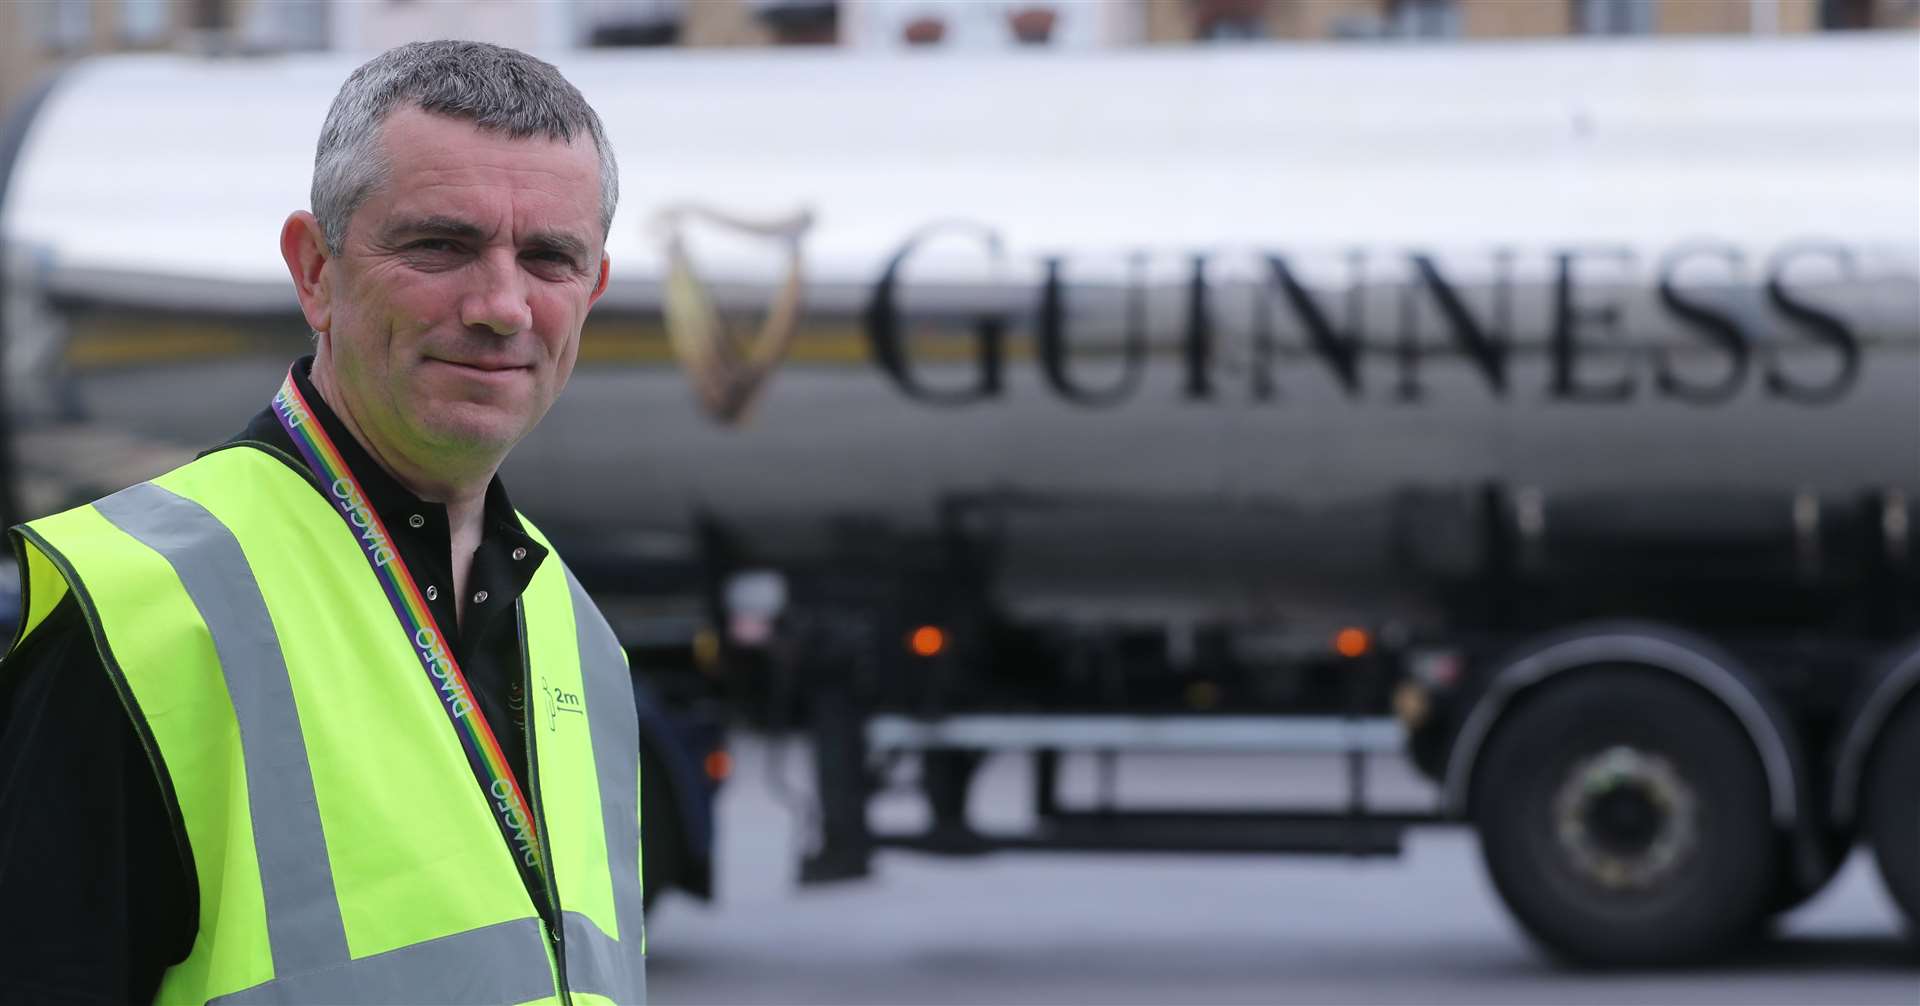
719, 765
1352, 643
928, 641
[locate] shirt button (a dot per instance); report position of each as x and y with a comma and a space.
433, 593
480, 597
519, 553
416, 521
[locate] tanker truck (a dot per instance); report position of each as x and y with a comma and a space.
1543, 416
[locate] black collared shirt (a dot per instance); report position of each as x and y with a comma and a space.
86, 838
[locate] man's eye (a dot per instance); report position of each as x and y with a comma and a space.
555, 257
433, 245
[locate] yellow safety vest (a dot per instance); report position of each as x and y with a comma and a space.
341, 847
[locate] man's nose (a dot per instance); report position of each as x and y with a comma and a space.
497, 300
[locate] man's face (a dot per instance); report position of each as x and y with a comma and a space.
461, 285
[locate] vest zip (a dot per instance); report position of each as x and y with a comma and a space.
557, 953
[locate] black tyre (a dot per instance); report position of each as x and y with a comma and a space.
1893, 811
1624, 819
1790, 889
661, 837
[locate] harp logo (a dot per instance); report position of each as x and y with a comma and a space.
728, 365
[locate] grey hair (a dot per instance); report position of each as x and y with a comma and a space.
497, 89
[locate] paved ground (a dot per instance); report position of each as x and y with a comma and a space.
1425, 928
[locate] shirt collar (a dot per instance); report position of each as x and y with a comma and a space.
389, 498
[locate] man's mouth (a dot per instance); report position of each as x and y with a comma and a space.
483, 366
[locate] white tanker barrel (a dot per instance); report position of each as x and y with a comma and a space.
1201, 332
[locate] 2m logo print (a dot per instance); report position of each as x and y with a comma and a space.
559, 700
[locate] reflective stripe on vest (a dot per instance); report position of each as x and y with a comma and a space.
608, 965
311, 961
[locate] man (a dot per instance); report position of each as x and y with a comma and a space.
262, 734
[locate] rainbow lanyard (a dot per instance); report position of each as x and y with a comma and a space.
508, 803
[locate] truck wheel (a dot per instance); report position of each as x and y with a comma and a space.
1790, 890
1623, 816
1893, 812
660, 838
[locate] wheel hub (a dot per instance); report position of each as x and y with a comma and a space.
1625, 819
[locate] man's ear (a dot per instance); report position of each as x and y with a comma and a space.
304, 246
599, 284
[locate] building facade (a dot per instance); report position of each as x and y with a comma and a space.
37, 36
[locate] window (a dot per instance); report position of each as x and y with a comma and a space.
1230, 29
801, 22
1423, 18
1353, 25
65, 25
1846, 15
288, 24
145, 22
1614, 17
1228, 20
208, 15
629, 22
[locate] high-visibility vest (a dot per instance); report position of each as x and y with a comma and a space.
342, 849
